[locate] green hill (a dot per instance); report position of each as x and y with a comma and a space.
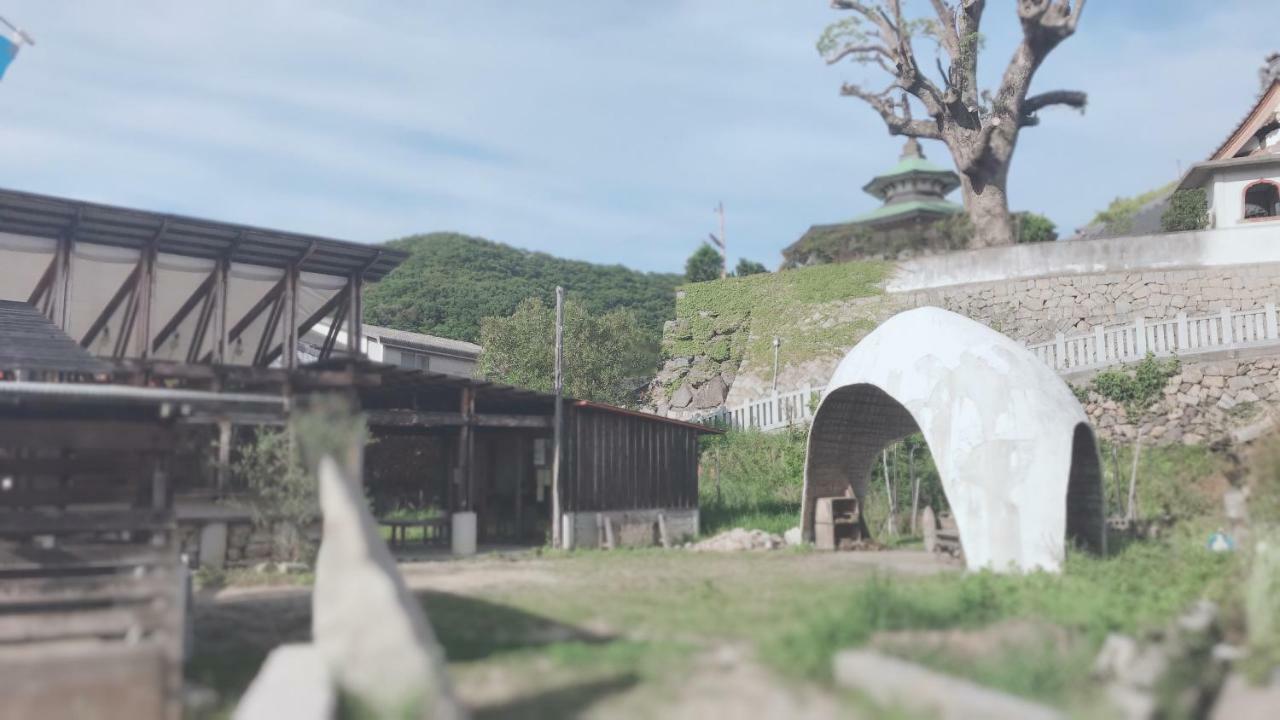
451, 281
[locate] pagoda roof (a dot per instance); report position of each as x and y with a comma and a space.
911, 163
902, 209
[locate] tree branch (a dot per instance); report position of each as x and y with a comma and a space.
1035, 103
865, 50
897, 124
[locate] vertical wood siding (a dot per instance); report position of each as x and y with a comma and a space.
623, 462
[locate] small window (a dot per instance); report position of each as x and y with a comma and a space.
1261, 200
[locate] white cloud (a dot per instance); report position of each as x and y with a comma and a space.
601, 130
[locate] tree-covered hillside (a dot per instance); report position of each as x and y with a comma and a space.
451, 281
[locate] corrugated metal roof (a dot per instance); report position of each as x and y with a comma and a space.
25, 213
31, 342
423, 341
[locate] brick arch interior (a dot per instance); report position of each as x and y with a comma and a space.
856, 422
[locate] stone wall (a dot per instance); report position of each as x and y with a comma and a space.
245, 543
1216, 402
631, 528
1032, 293
1032, 310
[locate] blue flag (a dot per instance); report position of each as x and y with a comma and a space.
8, 51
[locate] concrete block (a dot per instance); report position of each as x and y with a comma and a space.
463, 533
891, 682
213, 545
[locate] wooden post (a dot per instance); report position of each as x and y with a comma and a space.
1227, 331
290, 349
1140, 336
224, 455
355, 326
1099, 345
1272, 330
558, 431
1184, 335
468, 449
66, 246
1060, 351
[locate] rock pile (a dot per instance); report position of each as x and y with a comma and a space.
1178, 670
738, 540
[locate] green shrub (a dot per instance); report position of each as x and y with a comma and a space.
752, 480
755, 480
280, 492
1118, 216
1034, 227
1136, 387
1170, 479
1188, 210
1129, 592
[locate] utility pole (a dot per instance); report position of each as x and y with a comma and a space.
556, 533
720, 242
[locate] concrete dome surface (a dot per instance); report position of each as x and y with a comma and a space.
1013, 448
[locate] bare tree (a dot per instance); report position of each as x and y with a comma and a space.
980, 129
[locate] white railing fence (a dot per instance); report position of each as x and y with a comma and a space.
1090, 350
774, 412
1181, 335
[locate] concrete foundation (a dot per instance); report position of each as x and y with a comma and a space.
631, 528
463, 533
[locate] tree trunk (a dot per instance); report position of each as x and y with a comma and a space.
988, 207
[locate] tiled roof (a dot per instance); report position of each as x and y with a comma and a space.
30, 342
1239, 134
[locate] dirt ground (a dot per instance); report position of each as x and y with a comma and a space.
617, 635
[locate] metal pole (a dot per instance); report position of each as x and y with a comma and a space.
724, 244
776, 342
556, 534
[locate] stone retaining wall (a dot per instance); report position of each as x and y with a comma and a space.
1034, 310
1217, 402
631, 528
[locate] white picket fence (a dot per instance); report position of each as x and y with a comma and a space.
771, 413
1103, 346
1180, 335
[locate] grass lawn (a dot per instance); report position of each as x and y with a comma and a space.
621, 633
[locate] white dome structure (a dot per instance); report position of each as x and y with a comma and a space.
1013, 448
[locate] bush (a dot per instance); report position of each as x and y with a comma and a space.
1034, 227
755, 480
1137, 387
1188, 210
752, 480
1129, 592
281, 492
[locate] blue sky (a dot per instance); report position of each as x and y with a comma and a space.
604, 130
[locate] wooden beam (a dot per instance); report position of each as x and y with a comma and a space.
243, 323
269, 330
199, 294
42, 294
355, 312
427, 418
331, 305
331, 338
202, 324
66, 244
289, 347
117, 435
109, 310
147, 290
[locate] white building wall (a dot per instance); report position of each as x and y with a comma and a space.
1226, 192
